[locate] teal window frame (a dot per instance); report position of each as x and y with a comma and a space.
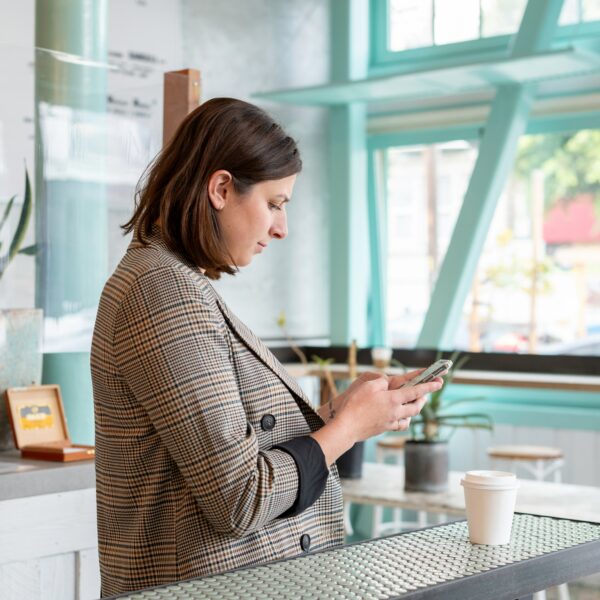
519, 406
384, 61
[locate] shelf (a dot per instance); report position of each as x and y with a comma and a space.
439, 82
578, 383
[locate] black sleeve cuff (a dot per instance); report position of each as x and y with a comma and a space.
312, 472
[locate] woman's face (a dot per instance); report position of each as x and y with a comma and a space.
250, 221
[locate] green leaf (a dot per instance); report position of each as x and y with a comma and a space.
469, 426
470, 416
23, 220
7, 212
463, 400
447, 421
323, 362
281, 320
396, 363
29, 250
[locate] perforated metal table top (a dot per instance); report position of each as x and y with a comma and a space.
437, 562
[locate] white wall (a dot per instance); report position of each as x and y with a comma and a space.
247, 46
16, 139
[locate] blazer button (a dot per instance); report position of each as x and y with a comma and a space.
267, 422
305, 542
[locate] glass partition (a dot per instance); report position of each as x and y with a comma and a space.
84, 130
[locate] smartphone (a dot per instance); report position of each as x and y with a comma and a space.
431, 372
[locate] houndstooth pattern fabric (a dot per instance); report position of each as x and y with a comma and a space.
187, 481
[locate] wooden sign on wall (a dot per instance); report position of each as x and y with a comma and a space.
181, 96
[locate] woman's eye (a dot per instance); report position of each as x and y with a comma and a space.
274, 206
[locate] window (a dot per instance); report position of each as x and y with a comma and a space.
422, 23
425, 187
537, 284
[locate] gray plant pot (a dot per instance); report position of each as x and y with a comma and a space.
350, 463
20, 358
425, 466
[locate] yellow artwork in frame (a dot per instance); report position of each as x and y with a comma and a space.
36, 416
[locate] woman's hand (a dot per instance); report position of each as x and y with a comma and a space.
378, 404
370, 406
340, 400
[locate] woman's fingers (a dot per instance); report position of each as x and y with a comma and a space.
412, 393
370, 375
397, 380
412, 409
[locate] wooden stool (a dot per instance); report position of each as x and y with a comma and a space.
538, 461
541, 462
393, 447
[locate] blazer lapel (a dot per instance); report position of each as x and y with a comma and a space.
262, 352
254, 344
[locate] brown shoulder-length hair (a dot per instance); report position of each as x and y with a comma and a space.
223, 133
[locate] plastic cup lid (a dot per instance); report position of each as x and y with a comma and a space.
490, 479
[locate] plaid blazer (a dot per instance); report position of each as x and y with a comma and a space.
188, 482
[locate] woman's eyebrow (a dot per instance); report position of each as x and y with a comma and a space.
285, 198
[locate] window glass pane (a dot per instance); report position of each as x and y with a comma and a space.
456, 21
569, 13
410, 24
537, 286
500, 17
425, 186
591, 10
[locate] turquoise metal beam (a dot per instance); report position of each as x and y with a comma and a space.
466, 76
349, 241
349, 39
71, 371
378, 249
349, 233
507, 122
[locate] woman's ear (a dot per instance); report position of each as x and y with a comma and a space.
219, 188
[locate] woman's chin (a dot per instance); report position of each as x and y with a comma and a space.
244, 261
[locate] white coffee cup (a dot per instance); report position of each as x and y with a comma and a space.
490, 498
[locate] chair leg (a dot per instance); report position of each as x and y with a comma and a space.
347, 522
377, 520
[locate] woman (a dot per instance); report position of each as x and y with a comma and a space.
209, 456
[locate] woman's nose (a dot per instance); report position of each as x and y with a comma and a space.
279, 228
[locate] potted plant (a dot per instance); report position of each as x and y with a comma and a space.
20, 344
426, 451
